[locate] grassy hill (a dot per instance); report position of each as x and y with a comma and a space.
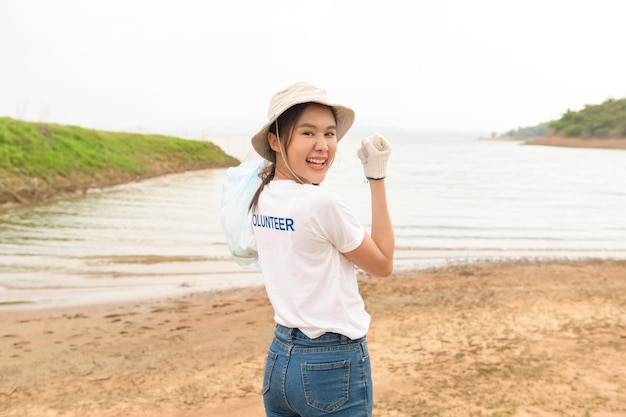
41, 161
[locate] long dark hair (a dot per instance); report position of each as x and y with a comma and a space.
286, 122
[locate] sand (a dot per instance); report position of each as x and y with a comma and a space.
496, 339
608, 143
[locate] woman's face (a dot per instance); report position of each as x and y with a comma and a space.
312, 146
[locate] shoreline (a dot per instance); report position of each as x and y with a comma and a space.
540, 338
595, 143
127, 287
609, 143
80, 189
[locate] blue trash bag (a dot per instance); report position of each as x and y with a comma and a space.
240, 184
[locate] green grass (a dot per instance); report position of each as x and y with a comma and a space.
43, 161
43, 150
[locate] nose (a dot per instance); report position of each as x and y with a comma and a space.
321, 144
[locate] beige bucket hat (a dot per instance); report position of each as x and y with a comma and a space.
298, 93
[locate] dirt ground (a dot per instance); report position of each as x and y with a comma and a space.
497, 339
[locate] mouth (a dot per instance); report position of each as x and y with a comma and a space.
316, 163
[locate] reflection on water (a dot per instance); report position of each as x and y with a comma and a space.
451, 200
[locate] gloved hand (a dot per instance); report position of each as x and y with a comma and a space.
374, 154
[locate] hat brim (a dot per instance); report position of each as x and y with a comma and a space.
344, 117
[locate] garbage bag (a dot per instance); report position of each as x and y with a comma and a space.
240, 184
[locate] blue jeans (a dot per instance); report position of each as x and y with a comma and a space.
327, 376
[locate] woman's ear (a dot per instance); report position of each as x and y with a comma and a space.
272, 139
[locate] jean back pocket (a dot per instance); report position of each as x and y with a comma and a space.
326, 384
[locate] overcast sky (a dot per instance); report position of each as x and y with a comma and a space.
189, 66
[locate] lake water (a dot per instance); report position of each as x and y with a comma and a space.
452, 199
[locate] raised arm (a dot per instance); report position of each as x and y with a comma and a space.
375, 254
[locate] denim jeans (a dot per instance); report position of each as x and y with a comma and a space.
327, 376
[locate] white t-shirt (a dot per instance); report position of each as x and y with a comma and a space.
301, 231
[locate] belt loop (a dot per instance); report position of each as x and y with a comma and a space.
289, 335
365, 354
344, 339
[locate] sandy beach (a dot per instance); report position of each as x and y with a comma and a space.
608, 143
499, 339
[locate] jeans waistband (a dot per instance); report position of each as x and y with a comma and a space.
294, 340
294, 333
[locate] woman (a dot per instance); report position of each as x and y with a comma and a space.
308, 244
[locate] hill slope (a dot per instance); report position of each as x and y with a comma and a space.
41, 161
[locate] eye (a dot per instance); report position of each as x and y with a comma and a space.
330, 135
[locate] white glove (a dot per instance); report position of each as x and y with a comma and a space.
374, 154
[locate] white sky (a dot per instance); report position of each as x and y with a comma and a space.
188, 66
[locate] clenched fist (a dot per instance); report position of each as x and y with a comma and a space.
374, 154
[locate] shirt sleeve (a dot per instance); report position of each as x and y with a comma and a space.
337, 223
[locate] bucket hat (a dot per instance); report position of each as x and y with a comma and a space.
298, 93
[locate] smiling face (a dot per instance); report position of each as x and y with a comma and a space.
311, 148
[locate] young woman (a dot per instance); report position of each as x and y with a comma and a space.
308, 244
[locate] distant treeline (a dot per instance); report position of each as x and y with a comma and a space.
606, 120
524, 133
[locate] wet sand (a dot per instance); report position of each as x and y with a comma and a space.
507, 339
